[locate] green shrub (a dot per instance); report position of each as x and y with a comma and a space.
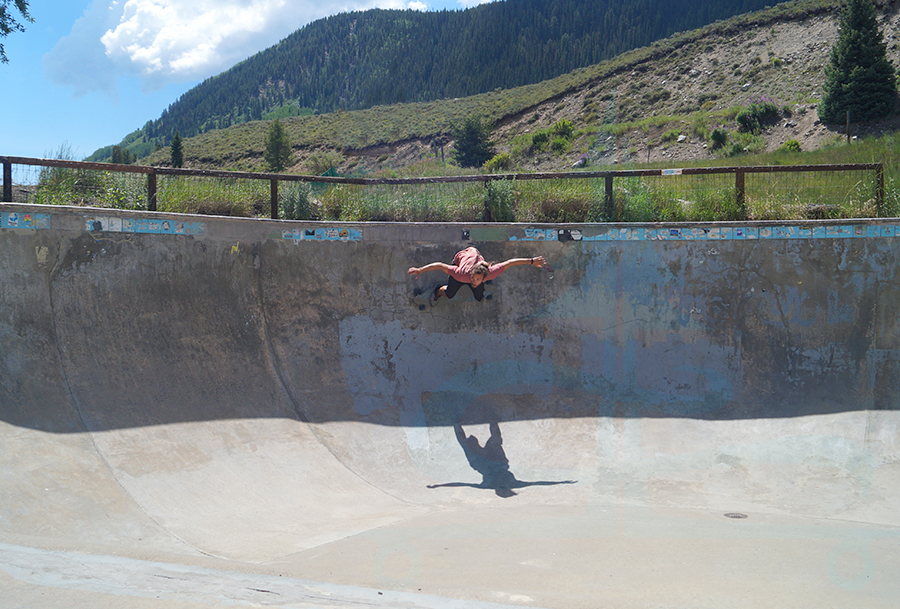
563, 128
737, 149
760, 111
790, 146
559, 145
296, 202
657, 96
719, 138
499, 200
700, 127
500, 162
747, 121
540, 140
671, 135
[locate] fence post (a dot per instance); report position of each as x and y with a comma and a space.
7, 182
151, 190
739, 188
273, 190
610, 203
879, 190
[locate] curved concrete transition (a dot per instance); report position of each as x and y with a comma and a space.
208, 412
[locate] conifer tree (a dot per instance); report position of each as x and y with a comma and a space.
278, 147
860, 78
177, 151
473, 146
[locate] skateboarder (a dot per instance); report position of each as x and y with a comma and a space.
469, 267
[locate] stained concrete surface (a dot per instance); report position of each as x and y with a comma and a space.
203, 412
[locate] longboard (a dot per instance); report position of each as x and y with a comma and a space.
465, 294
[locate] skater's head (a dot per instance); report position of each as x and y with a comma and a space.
479, 273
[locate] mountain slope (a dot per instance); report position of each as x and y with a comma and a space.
633, 108
378, 57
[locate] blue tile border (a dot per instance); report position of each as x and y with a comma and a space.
587, 232
718, 233
323, 234
17, 220
154, 226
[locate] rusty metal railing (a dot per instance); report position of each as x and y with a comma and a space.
740, 174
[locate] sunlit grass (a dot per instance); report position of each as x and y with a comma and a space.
214, 196
768, 196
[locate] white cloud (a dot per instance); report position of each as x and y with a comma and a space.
173, 39
79, 60
164, 41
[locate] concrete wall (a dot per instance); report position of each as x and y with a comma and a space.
153, 365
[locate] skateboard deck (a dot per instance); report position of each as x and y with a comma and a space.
422, 298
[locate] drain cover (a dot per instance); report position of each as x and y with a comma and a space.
736, 515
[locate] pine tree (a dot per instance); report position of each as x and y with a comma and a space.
177, 151
860, 78
473, 147
278, 147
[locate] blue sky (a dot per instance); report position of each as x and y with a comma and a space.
88, 72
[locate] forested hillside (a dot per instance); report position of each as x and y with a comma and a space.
364, 59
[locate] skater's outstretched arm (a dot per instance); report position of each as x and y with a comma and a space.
434, 266
537, 261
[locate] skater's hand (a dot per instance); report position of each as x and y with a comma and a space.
538, 261
414, 271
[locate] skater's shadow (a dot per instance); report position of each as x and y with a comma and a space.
490, 461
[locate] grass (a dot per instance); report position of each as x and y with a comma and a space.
432, 203
769, 196
222, 197
59, 186
773, 196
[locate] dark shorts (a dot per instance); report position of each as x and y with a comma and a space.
454, 284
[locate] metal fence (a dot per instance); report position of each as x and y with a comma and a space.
613, 195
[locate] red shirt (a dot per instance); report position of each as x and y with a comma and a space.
463, 261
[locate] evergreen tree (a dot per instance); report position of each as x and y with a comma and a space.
278, 153
473, 146
122, 156
177, 151
860, 78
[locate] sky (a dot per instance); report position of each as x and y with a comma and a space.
86, 73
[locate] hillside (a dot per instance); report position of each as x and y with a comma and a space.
358, 60
667, 97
